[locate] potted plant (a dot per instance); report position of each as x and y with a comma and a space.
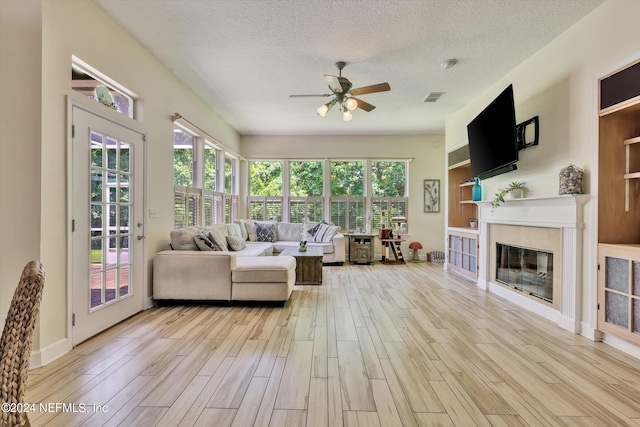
473, 222
303, 246
517, 190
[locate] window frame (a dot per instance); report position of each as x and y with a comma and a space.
207, 206
327, 200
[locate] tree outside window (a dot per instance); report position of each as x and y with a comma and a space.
388, 179
306, 179
228, 175
209, 167
265, 178
182, 158
347, 179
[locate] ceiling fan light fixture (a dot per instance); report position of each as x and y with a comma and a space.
323, 109
346, 115
351, 104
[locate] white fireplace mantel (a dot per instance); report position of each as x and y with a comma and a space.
562, 212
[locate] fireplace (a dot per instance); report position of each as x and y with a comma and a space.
527, 270
551, 225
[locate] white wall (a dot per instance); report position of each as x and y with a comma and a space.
427, 151
20, 89
37, 126
559, 84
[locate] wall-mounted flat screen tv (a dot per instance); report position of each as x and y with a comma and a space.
493, 147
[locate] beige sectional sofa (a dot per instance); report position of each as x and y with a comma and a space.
249, 274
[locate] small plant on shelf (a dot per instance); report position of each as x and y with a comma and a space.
473, 222
517, 189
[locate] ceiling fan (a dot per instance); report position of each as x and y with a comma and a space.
344, 95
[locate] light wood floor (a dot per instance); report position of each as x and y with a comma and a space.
375, 345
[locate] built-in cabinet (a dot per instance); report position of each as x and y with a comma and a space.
462, 239
619, 291
463, 253
461, 208
619, 205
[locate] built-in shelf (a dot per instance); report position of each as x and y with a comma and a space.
628, 175
468, 184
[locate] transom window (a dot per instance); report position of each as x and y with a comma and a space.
100, 88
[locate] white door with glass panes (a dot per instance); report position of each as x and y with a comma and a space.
107, 228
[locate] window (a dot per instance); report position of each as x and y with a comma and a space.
294, 191
183, 144
229, 174
88, 82
347, 179
388, 188
265, 190
305, 179
386, 208
388, 179
196, 201
305, 188
265, 178
209, 166
186, 196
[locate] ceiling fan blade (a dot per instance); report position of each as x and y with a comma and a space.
380, 87
308, 96
334, 83
364, 105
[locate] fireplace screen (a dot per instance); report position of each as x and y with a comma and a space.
529, 270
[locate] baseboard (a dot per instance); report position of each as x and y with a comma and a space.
589, 332
150, 302
622, 345
50, 353
527, 303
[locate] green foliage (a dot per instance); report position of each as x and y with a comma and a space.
347, 179
498, 198
209, 168
388, 179
265, 178
183, 159
228, 175
306, 179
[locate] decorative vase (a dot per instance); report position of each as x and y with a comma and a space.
476, 192
517, 193
570, 180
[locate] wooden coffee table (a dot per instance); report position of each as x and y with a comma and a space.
308, 264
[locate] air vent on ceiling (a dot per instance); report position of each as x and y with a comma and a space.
433, 96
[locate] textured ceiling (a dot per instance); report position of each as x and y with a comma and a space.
245, 57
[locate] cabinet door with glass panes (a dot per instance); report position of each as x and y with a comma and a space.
619, 290
463, 253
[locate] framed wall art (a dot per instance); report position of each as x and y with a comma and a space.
431, 195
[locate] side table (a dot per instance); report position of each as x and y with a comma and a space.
361, 248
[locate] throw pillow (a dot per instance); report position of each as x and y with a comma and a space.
218, 237
325, 233
265, 232
204, 243
312, 231
236, 243
250, 226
